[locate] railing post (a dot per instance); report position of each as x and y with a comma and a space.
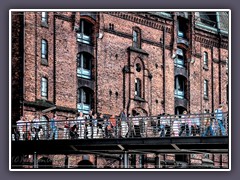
66, 161
157, 162
35, 160
125, 159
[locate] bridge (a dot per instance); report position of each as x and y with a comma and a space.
170, 134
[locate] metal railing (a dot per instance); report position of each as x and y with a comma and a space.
133, 127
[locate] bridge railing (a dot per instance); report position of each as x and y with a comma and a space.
185, 125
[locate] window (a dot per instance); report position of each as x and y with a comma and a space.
44, 49
209, 18
205, 88
138, 67
179, 60
85, 32
182, 28
179, 87
138, 87
111, 26
84, 65
44, 17
44, 87
84, 100
205, 59
136, 38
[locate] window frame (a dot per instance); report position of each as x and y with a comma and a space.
180, 53
136, 37
44, 18
44, 90
81, 57
177, 87
205, 60
138, 88
205, 89
44, 49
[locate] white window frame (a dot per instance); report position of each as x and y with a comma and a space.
138, 87
45, 17
44, 87
205, 88
44, 49
205, 59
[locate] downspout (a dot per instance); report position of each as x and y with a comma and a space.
54, 58
129, 83
124, 94
219, 67
164, 67
96, 76
212, 79
22, 58
35, 56
219, 56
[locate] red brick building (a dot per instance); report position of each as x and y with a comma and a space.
148, 62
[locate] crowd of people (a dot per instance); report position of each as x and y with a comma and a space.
92, 126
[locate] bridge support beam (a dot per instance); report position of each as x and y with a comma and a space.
125, 159
141, 160
35, 160
66, 161
157, 162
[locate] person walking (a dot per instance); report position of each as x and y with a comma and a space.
184, 126
124, 125
220, 118
81, 125
35, 125
208, 128
20, 129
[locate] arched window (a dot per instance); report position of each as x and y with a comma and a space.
44, 87
84, 61
180, 86
205, 88
44, 50
136, 37
84, 100
138, 87
205, 59
85, 32
179, 61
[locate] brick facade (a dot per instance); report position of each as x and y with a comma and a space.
114, 61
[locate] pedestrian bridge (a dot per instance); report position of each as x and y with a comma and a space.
191, 133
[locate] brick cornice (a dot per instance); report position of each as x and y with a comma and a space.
209, 41
141, 20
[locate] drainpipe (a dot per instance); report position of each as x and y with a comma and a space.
35, 56
129, 83
212, 80
164, 67
219, 55
96, 76
54, 58
219, 68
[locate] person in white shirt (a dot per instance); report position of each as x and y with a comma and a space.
184, 124
35, 125
81, 125
124, 125
136, 125
176, 126
20, 128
